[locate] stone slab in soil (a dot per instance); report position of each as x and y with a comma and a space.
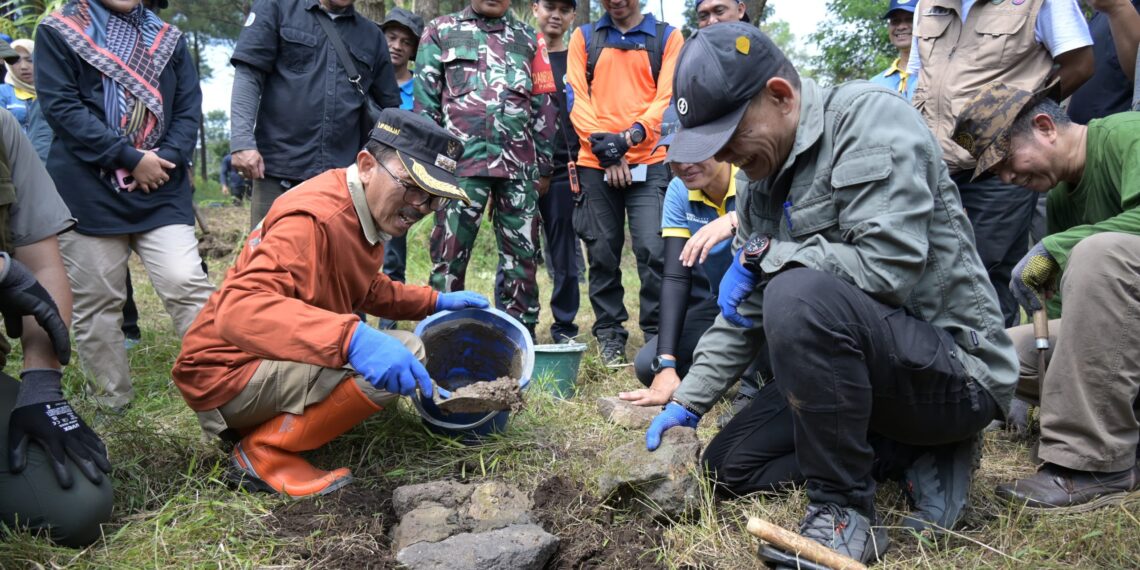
626, 414
516, 547
432, 512
662, 482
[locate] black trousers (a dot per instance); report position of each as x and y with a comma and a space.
557, 208
396, 258
860, 388
600, 216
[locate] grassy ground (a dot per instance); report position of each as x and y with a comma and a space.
173, 511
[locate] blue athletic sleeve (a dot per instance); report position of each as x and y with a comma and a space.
674, 222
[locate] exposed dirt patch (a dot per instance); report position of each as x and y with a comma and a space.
228, 226
502, 393
590, 537
347, 529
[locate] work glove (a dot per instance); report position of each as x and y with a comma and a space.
736, 285
22, 295
460, 300
61, 433
1032, 276
672, 416
386, 363
608, 147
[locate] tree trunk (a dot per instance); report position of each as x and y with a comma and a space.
427, 9
201, 116
755, 10
374, 10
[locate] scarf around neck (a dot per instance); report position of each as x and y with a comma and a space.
130, 50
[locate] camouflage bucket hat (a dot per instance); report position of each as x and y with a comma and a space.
984, 123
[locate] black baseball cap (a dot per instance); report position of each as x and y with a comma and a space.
410, 20
720, 69
429, 153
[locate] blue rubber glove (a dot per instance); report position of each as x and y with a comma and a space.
460, 300
674, 415
1032, 276
386, 363
737, 284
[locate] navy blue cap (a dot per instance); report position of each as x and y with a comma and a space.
406, 18
904, 5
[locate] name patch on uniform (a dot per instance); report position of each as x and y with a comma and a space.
389, 128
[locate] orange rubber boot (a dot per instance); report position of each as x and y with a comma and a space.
267, 456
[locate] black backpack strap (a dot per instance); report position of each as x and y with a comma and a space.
655, 45
594, 51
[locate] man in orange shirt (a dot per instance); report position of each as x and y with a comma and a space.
277, 359
621, 73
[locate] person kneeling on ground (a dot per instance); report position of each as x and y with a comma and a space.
698, 222
858, 268
1088, 397
277, 360
52, 465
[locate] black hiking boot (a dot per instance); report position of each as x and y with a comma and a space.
842, 529
613, 351
938, 482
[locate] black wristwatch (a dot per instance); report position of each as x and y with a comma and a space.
660, 364
636, 135
753, 251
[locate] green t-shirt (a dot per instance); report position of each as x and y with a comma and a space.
1107, 199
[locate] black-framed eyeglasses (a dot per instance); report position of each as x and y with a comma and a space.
433, 202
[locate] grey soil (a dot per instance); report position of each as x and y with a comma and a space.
503, 393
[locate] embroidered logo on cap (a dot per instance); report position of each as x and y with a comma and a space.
966, 141
445, 163
682, 106
743, 45
453, 149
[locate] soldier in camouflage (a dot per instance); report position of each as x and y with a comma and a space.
475, 76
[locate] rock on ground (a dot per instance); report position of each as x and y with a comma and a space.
432, 512
626, 414
516, 547
662, 482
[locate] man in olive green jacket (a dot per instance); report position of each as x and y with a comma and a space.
858, 266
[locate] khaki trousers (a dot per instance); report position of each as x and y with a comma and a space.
278, 387
97, 270
1089, 417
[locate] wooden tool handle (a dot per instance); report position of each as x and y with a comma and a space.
800, 546
1041, 325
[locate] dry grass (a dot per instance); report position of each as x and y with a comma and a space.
172, 511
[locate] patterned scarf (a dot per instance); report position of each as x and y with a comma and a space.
11, 79
131, 50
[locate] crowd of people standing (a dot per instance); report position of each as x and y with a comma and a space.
851, 256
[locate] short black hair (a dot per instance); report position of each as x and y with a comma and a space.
380, 151
788, 73
1023, 124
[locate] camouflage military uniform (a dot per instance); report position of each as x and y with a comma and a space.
473, 77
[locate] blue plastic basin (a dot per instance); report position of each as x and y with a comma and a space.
472, 345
